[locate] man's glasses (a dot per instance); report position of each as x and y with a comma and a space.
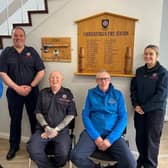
103, 79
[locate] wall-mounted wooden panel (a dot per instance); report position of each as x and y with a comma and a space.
56, 49
106, 41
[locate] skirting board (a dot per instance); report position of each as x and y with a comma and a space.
6, 136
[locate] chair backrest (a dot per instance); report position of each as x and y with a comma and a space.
71, 128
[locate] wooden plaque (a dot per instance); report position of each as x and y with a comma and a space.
106, 41
56, 49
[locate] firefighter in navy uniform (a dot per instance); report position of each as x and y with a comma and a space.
148, 94
21, 69
54, 111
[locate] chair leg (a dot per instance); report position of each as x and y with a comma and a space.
69, 164
30, 162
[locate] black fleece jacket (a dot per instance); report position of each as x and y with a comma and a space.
149, 88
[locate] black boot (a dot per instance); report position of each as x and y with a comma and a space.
11, 153
139, 163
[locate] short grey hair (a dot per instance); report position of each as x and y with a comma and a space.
102, 71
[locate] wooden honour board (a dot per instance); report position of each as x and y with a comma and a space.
106, 41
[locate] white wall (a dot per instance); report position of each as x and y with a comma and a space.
60, 22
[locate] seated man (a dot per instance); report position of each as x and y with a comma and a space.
105, 118
54, 111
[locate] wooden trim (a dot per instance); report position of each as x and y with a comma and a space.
106, 13
1, 40
26, 24
30, 13
113, 75
106, 41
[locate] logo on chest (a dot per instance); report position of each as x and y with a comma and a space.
28, 55
154, 76
64, 99
111, 101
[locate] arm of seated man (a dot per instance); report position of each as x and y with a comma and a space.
54, 132
47, 129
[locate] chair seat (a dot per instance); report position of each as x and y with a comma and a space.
101, 155
102, 158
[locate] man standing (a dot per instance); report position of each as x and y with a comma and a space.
54, 111
21, 69
105, 119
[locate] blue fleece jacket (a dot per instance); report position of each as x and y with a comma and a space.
1, 87
104, 114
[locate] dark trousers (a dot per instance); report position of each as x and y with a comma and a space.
36, 147
119, 151
15, 106
148, 133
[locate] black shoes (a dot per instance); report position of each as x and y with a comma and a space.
11, 153
1, 166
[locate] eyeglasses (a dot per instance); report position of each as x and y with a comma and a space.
103, 79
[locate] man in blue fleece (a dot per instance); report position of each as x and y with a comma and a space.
104, 118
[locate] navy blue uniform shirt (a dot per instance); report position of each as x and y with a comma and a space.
54, 107
21, 67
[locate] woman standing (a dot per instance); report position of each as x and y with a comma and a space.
149, 91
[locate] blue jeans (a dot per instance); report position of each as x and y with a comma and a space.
119, 151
